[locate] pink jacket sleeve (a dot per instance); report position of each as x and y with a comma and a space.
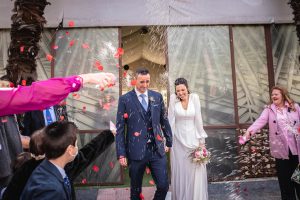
38, 96
260, 122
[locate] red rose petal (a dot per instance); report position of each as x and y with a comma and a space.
72, 42
147, 170
124, 73
111, 165
120, 51
95, 168
83, 109
158, 137
71, 23
133, 82
142, 196
136, 134
152, 182
125, 115
49, 57
4, 119
85, 46
23, 82
61, 118
55, 47
98, 65
21, 48
84, 181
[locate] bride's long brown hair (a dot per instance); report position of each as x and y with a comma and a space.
285, 95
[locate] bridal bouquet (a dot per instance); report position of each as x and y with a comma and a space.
200, 155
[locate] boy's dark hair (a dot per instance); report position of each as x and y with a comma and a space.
57, 137
141, 71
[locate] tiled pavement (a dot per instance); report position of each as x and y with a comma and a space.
251, 189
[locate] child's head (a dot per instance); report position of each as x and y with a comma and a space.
36, 143
35, 150
60, 140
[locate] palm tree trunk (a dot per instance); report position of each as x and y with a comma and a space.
27, 25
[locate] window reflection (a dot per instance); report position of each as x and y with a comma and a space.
251, 71
202, 56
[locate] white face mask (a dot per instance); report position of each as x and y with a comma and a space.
74, 155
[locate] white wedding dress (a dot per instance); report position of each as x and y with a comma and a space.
188, 180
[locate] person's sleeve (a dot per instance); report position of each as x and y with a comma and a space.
171, 112
38, 96
165, 125
120, 125
88, 153
260, 122
200, 132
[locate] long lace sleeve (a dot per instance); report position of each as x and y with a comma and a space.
200, 133
171, 112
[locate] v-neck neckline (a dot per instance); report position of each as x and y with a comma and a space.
188, 102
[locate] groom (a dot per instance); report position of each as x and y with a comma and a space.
143, 131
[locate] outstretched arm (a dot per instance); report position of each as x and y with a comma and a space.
43, 94
88, 153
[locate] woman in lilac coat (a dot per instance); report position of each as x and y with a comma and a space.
282, 116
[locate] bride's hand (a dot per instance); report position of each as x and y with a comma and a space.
202, 145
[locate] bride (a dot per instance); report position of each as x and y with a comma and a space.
189, 180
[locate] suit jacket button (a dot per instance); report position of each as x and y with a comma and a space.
276, 133
274, 121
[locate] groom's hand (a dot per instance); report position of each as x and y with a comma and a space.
167, 149
123, 161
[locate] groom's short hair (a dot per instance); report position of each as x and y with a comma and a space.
141, 71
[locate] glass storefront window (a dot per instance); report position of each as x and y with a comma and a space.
89, 50
251, 71
202, 56
285, 48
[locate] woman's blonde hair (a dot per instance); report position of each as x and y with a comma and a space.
285, 96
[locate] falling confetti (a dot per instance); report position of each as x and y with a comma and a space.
23, 82
95, 168
133, 82
106, 106
49, 57
85, 46
147, 170
137, 134
84, 181
142, 196
158, 137
21, 48
71, 23
151, 182
111, 165
124, 74
63, 103
55, 47
125, 115
84, 109
71, 43
4, 119
98, 65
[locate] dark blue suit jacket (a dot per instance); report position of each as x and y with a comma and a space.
45, 183
34, 120
131, 135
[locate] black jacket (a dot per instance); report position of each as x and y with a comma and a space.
86, 155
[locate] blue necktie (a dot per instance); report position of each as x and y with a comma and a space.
67, 183
144, 103
48, 116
